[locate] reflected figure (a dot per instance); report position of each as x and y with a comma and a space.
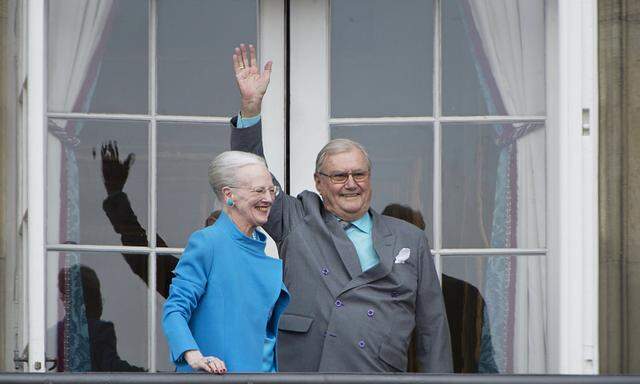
125, 222
118, 209
212, 218
466, 311
102, 336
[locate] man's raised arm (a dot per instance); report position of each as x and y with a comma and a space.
252, 86
246, 133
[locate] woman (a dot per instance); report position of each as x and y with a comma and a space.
227, 295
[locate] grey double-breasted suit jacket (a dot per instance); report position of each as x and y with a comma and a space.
341, 319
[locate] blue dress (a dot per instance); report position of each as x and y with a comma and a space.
225, 299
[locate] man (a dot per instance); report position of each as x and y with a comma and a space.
360, 282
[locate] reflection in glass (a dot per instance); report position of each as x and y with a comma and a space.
470, 337
491, 66
185, 198
402, 164
493, 180
195, 42
496, 309
381, 58
78, 192
462, 92
97, 52
95, 313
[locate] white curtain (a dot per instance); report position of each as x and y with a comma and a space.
75, 31
512, 33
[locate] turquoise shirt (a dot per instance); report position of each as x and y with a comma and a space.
247, 122
359, 232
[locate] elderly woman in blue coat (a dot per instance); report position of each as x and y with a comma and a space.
227, 294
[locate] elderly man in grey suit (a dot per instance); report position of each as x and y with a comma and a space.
360, 283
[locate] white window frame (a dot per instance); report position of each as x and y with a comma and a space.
572, 219
572, 158
572, 195
16, 326
271, 37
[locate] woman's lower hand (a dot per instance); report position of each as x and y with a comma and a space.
209, 364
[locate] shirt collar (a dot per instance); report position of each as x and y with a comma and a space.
363, 224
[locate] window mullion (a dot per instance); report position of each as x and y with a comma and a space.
153, 214
437, 134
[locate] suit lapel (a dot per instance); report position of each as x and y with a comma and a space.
383, 242
344, 246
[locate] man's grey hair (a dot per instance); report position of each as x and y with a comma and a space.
336, 146
223, 170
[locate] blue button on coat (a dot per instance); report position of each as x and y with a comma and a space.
221, 298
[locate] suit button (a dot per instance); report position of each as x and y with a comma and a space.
324, 272
339, 303
370, 313
361, 344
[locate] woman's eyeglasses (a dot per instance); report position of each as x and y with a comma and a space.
273, 190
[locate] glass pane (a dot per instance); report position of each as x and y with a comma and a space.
381, 58
402, 168
496, 309
195, 43
185, 198
98, 56
493, 183
96, 312
165, 264
491, 66
96, 197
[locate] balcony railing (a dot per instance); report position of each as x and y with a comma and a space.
312, 378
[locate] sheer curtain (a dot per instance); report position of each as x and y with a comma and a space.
76, 37
508, 37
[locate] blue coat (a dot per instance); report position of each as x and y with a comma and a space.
225, 297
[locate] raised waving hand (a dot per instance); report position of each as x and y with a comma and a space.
251, 83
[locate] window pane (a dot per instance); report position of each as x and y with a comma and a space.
165, 264
462, 92
494, 186
195, 43
496, 309
93, 198
491, 66
381, 58
98, 56
185, 198
96, 312
402, 167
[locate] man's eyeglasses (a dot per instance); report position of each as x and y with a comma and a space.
341, 178
274, 190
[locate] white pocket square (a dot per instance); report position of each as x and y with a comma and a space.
403, 256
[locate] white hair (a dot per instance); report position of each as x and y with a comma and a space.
336, 146
223, 170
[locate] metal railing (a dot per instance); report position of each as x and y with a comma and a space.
310, 378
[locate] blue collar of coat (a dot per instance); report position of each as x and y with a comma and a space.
225, 222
